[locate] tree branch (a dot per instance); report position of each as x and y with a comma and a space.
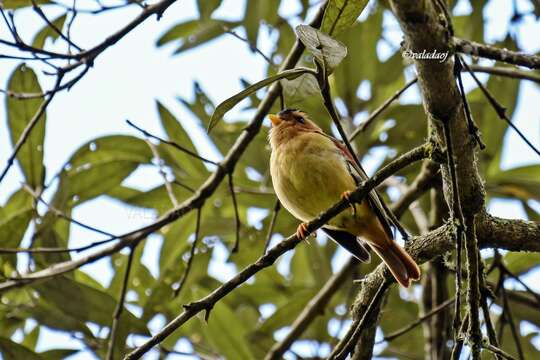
183, 280
417, 322
271, 256
119, 307
363, 126
314, 308
495, 53
28, 129
196, 201
506, 72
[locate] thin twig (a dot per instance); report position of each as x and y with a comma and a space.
498, 352
119, 306
484, 291
171, 143
184, 186
364, 125
459, 339
60, 214
269, 233
314, 308
55, 89
521, 282
183, 280
42, 15
28, 129
473, 289
457, 215
237, 222
422, 183
499, 109
252, 47
418, 214
506, 72
346, 346
473, 129
163, 174
417, 322
513, 328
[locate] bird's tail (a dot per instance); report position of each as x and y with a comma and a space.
400, 264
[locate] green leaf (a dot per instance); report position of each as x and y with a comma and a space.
252, 21
10, 350
287, 312
531, 213
15, 217
48, 32
519, 263
530, 351
391, 321
140, 277
193, 33
30, 339
228, 104
523, 305
201, 106
227, 334
521, 182
328, 52
255, 12
101, 165
86, 303
17, 4
471, 26
53, 317
341, 14
176, 133
58, 354
19, 114
297, 90
207, 7
362, 39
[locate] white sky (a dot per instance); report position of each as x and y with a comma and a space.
127, 79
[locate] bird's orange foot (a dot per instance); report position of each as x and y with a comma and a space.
347, 196
302, 231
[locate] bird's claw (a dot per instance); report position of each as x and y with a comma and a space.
302, 231
347, 197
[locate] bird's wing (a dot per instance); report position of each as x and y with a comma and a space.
359, 175
350, 242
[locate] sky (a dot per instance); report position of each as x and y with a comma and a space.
129, 77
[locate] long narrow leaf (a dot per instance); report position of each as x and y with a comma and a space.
228, 104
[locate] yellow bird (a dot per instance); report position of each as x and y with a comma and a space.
311, 171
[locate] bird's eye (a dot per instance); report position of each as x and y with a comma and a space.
299, 119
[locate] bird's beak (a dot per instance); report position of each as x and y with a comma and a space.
276, 119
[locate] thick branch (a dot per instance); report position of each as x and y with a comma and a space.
492, 232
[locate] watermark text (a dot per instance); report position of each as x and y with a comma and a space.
426, 55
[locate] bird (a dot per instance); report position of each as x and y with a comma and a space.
311, 171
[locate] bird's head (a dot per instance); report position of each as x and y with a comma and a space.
289, 123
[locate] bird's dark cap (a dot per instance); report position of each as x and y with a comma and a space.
287, 111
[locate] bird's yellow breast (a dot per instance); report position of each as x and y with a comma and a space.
309, 175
